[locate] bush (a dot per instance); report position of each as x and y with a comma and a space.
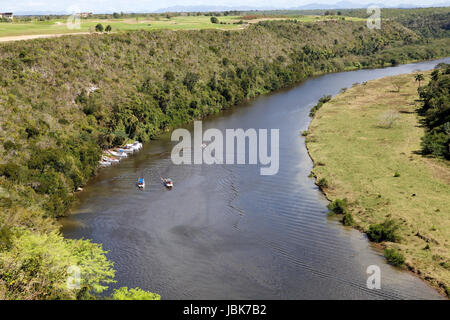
99, 27
386, 231
338, 206
322, 183
214, 20
322, 100
347, 219
436, 144
388, 119
394, 257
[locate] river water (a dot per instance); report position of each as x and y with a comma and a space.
227, 232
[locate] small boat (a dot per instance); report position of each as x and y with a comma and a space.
112, 160
119, 154
105, 163
167, 182
141, 183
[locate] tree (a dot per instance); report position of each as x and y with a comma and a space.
190, 80
99, 27
214, 20
419, 77
108, 28
116, 15
47, 266
169, 76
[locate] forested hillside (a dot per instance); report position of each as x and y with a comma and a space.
62, 100
428, 22
436, 112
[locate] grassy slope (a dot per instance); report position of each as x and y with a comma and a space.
359, 160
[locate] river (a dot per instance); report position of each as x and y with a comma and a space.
227, 232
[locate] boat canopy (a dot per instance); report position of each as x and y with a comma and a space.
141, 180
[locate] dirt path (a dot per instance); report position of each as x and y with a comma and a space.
37, 36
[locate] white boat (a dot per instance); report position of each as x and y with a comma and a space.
126, 150
105, 163
141, 183
119, 154
112, 160
168, 182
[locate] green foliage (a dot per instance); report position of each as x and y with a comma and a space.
394, 257
322, 183
385, 231
347, 219
214, 20
322, 100
36, 266
436, 112
428, 22
108, 28
338, 206
99, 27
190, 80
134, 294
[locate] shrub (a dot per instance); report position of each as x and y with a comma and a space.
214, 20
347, 219
396, 174
386, 231
388, 119
338, 206
322, 100
99, 27
9, 145
169, 76
436, 144
394, 257
322, 183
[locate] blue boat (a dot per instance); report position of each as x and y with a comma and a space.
141, 183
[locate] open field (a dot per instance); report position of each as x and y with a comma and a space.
379, 170
59, 26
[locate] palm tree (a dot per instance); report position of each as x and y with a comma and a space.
419, 77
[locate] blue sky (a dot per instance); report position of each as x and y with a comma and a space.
151, 5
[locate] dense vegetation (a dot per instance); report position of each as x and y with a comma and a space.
429, 22
436, 112
62, 100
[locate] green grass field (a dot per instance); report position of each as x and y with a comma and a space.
380, 171
59, 26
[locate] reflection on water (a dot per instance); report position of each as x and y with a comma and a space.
225, 231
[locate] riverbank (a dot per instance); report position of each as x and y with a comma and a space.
364, 144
